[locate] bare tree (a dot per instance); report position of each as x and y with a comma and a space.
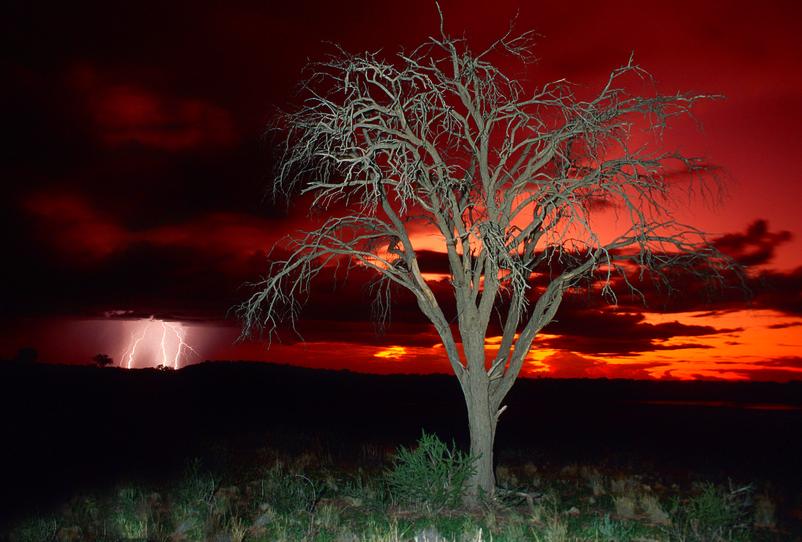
509, 176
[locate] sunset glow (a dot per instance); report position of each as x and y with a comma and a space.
139, 220
392, 352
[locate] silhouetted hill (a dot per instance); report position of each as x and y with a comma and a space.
65, 427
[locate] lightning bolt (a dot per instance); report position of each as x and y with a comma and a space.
164, 345
180, 335
135, 340
171, 333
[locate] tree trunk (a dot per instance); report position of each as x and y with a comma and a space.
482, 424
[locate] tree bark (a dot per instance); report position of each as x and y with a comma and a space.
482, 425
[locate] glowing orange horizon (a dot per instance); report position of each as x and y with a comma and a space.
766, 335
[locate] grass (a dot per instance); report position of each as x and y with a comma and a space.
303, 497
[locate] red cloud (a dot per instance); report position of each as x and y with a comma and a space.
78, 231
571, 365
74, 228
126, 114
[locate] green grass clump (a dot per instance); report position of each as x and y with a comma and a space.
432, 476
129, 517
607, 529
287, 492
369, 493
714, 514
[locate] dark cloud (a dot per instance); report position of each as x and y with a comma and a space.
784, 363
770, 375
610, 333
780, 369
756, 246
779, 290
149, 280
433, 262
784, 326
692, 291
363, 332
83, 262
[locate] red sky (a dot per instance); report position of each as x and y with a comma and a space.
135, 179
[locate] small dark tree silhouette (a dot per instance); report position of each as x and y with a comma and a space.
102, 360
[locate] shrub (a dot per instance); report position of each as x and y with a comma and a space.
130, 514
197, 487
368, 493
287, 492
431, 476
189, 521
192, 501
713, 515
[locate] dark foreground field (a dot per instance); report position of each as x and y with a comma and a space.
580, 460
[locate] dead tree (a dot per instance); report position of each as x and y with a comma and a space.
507, 174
